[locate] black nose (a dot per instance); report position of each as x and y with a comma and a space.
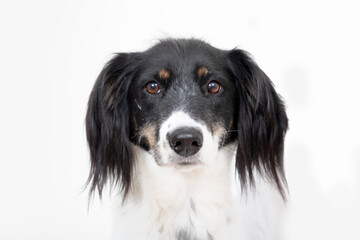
185, 141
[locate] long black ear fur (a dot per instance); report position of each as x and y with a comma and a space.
107, 125
262, 123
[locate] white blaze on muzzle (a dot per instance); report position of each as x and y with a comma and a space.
184, 141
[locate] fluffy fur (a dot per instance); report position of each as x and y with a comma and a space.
171, 125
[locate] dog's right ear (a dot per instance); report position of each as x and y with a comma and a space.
107, 125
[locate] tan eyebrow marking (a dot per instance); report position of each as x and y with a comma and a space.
202, 71
164, 74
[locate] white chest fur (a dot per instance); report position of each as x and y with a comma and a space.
168, 204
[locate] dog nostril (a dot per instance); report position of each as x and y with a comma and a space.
195, 144
178, 143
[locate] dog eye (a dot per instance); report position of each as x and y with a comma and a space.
153, 88
213, 87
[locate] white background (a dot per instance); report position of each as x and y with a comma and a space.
52, 51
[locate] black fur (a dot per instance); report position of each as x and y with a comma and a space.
107, 125
262, 122
249, 100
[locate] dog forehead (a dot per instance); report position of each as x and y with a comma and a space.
182, 55
169, 63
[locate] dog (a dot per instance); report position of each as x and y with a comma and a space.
183, 130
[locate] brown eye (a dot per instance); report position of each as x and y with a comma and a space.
153, 88
213, 87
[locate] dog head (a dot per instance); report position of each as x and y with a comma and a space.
183, 101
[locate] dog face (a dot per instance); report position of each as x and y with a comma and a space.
182, 101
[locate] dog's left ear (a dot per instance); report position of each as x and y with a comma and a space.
261, 123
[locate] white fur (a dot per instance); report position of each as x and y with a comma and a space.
204, 201
178, 120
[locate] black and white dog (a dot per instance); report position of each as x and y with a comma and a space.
171, 126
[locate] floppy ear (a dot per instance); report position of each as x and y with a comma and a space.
107, 125
262, 123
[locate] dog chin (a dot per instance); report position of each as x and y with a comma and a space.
186, 167
184, 164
